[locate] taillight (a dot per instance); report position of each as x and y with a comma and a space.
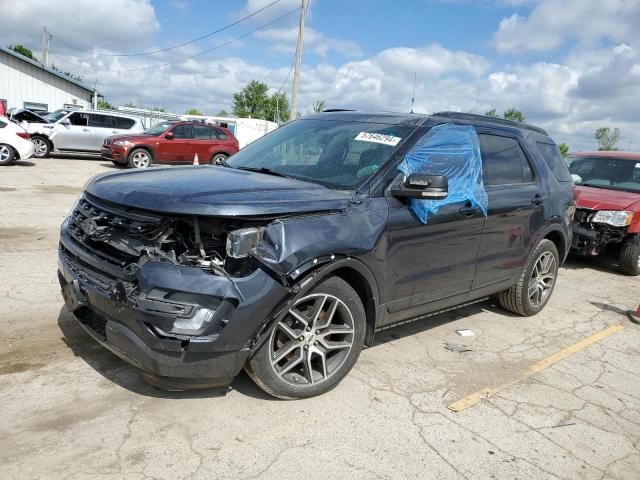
24, 135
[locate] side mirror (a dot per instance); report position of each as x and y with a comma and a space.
422, 186
169, 135
65, 121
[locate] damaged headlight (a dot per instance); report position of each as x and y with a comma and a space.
615, 218
240, 242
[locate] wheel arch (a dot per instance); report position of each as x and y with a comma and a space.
142, 147
45, 138
558, 238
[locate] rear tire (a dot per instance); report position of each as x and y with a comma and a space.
41, 145
630, 255
536, 284
7, 154
140, 158
314, 346
219, 159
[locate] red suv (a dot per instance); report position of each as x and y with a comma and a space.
171, 142
607, 217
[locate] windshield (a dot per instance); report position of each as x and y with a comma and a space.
606, 172
55, 116
158, 128
336, 154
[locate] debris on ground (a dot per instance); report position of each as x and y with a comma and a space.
455, 347
465, 333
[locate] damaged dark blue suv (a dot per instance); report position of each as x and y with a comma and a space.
287, 259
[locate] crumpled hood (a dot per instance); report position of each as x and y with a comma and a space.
215, 191
605, 199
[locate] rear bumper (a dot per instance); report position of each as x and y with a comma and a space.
133, 326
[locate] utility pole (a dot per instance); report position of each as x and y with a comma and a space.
46, 36
296, 73
413, 94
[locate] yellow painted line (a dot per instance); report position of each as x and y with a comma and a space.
476, 397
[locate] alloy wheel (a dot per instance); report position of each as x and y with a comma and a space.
5, 153
40, 146
542, 279
141, 159
313, 340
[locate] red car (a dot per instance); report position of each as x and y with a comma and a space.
171, 142
607, 218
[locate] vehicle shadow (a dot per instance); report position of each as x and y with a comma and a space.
601, 263
75, 156
21, 163
121, 373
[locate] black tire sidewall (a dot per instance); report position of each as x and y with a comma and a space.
542, 247
259, 365
629, 255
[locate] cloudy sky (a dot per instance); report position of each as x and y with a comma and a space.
570, 65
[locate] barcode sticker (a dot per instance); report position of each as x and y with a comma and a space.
378, 138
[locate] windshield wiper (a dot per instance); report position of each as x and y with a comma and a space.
265, 170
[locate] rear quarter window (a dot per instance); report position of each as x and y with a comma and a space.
554, 160
124, 123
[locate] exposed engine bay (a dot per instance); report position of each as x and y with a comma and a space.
591, 238
129, 238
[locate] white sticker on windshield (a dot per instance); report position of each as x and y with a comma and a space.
378, 138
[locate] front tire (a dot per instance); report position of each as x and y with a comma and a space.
140, 158
42, 146
314, 346
536, 284
630, 255
7, 154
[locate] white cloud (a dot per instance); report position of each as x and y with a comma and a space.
284, 40
552, 22
119, 25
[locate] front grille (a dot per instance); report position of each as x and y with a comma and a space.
114, 233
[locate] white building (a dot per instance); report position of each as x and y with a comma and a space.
25, 83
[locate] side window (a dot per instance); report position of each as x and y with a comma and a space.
2, 124
503, 161
202, 132
219, 134
183, 131
79, 119
101, 121
123, 123
554, 160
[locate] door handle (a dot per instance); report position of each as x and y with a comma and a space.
469, 211
86, 130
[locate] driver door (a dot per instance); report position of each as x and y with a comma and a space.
74, 134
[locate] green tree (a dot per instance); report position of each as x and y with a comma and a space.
157, 109
222, 113
104, 105
254, 101
130, 105
607, 138
564, 149
491, 113
193, 111
515, 115
320, 106
22, 50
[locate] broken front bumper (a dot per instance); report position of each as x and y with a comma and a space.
134, 316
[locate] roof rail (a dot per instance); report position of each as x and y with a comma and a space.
330, 110
485, 118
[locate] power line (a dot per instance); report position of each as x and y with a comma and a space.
217, 47
207, 35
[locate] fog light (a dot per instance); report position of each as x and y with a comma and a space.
240, 242
202, 316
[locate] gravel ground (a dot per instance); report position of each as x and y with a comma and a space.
70, 409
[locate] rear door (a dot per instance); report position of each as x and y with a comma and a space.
180, 148
203, 141
101, 126
514, 206
75, 135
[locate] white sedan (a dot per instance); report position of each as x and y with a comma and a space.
14, 142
